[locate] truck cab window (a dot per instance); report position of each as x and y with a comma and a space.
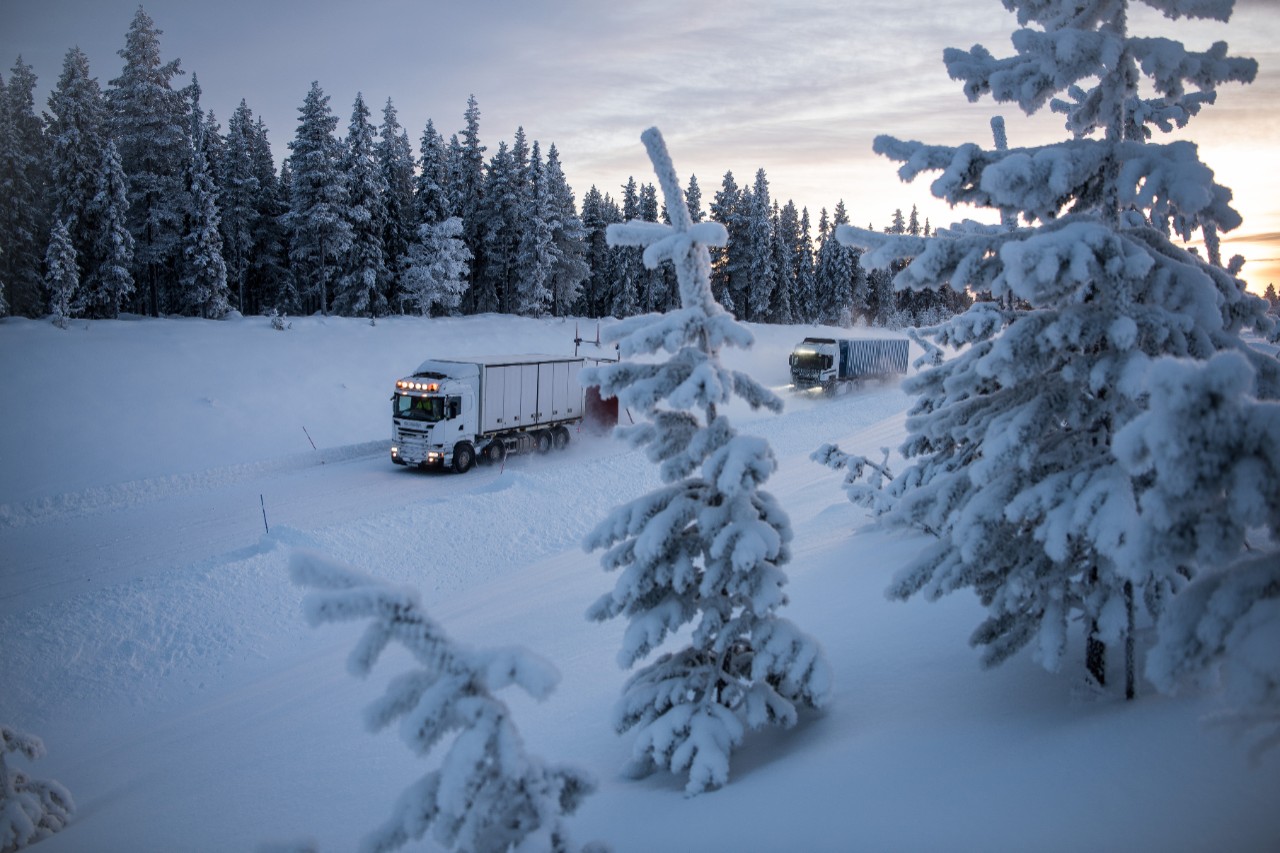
419, 408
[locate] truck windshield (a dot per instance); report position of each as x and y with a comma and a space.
419, 408
810, 360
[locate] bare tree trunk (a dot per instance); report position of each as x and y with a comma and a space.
1129, 674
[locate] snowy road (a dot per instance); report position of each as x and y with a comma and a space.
86, 541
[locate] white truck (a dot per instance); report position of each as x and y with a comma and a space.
454, 412
835, 365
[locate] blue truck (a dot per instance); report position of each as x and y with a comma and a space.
834, 365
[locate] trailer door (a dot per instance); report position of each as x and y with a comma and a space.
494, 395
546, 392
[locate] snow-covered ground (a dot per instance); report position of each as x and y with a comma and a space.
150, 636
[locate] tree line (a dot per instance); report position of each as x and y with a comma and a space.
134, 198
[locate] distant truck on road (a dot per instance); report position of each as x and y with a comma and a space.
837, 364
452, 413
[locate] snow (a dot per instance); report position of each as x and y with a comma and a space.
151, 638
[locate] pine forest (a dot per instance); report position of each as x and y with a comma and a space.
134, 198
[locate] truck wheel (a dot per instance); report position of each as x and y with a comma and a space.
560, 438
495, 452
464, 455
543, 438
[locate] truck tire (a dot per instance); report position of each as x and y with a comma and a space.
560, 438
543, 438
464, 456
495, 452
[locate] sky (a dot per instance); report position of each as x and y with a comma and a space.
798, 88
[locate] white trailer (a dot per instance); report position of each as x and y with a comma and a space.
455, 412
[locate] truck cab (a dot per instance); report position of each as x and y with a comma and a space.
431, 414
815, 363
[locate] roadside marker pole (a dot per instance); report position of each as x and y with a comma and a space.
264, 513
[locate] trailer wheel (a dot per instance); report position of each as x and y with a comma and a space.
495, 452
543, 439
560, 438
464, 455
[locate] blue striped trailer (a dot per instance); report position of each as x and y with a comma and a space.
834, 365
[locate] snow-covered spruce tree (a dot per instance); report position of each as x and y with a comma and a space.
568, 238
76, 130
320, 232
488, 795
204, 272
62, 276
30, 809
24, 208
434, 272
538, 254
237, 202
109, 283
708, 547
364, 278
1010, 443
395, 159
150, 124
1210, 452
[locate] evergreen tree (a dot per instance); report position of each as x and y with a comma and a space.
288, 297
466, 192
62, 276
568, 237
435, 269
488, 793
150, 125
500, 209
109, 284
363, 278
842, 286
629, 269
238, 202
804, 306
269, 279
536, 252
395, 158
77, 137
724, 209
320, 230
651, 291
23, 190
205, 132
708, 546
598, 212
1207, 446
756, 253
787, 262
30, 809
693, 200
1013, 442
431, 194
204, 272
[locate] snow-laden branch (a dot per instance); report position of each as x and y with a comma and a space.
30, 809
488, 793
